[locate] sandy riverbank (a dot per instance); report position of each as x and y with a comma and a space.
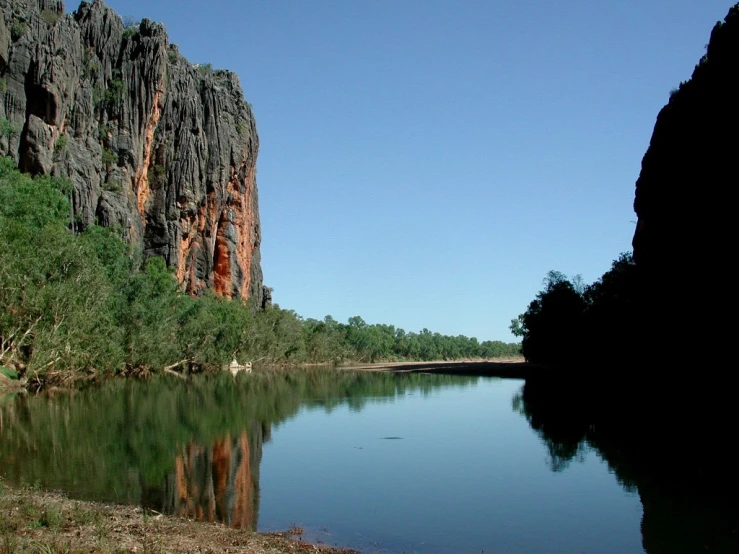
35, 521
512, 368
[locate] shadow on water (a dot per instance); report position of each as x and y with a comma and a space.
188, 448
670, 440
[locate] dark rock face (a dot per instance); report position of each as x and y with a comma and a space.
160, 148
684, 199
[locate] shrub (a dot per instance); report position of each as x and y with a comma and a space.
205, 69
17, 30
113, 186
61, 144
114, 95
50, 17
159, 175
92, 66
103, 131
109, 157
9, 129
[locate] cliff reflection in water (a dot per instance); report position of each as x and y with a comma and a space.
189, 448
219, 482
671, 441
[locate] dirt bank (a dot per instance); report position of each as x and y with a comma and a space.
35, 521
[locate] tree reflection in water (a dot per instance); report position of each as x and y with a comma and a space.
190, 448
670, 441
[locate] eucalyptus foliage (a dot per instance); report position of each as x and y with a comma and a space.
78, 306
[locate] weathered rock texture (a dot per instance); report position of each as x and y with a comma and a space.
686, 235
160, 148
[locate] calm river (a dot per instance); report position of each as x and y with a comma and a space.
381, 462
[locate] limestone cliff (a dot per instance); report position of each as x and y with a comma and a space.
162, 149
685, 234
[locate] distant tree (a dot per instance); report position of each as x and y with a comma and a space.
516, 326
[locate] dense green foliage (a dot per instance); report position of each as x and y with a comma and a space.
570, 324
372, 343
78, 305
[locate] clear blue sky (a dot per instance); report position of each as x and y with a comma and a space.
424, 163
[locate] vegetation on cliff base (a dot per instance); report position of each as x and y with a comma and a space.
78, 305
571, 324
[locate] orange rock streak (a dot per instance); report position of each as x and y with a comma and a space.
222, 282
246, 243
239, 212
243, 515
209, 500
142, 175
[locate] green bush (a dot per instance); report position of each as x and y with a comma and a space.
50, 17
109, 157
113, 186
9, 129
92, 68
61, 144
103, 131
18, 29
159, 176
114, 95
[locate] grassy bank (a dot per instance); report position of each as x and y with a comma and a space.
40, 522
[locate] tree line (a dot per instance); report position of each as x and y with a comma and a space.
84, 305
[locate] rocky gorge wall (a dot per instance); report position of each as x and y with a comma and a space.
686, 234
161, 149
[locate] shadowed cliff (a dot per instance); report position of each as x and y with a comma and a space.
161, 149
685, 232
673, 301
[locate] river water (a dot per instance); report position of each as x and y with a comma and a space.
380, 462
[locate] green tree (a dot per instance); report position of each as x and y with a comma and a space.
553, 323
